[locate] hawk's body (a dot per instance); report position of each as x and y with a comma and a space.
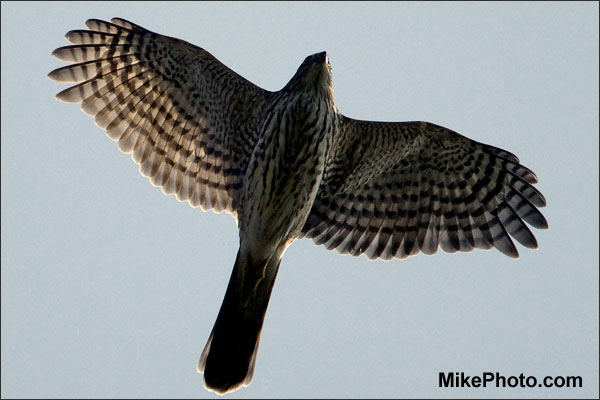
287, 164
295, 136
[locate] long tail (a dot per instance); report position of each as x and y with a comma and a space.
228, 359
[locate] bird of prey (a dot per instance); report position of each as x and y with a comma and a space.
288, 165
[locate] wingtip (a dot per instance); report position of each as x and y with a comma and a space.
533, 244
54, 75
541, 200
64, 97
59, 98
92, 22
532, 177
508, 249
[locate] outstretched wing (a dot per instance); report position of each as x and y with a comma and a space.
187, 119
394, 189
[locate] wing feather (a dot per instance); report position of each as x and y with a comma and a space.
187, 120
395, 189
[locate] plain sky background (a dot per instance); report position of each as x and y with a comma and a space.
110, 288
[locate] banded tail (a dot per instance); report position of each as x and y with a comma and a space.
228, 359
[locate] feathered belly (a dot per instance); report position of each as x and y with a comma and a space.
285, 172
280, 196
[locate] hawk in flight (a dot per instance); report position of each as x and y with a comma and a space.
288, 165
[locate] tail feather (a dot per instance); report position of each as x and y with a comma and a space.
229, 356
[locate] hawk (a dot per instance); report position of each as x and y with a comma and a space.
288, 165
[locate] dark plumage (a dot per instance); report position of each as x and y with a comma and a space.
286, 165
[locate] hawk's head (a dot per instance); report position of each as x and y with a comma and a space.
313, 74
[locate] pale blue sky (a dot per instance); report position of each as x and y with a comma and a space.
110, 288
